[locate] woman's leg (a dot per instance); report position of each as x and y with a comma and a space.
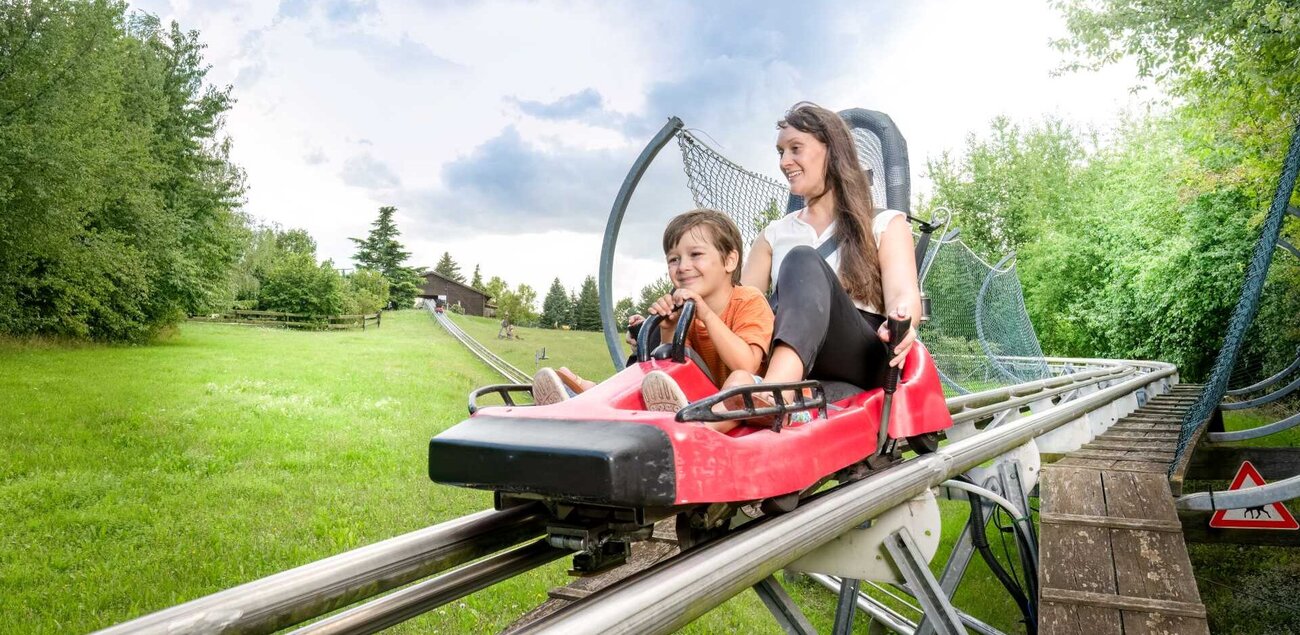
819, 332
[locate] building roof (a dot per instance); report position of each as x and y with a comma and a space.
462, 285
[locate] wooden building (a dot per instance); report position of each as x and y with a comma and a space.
474, 301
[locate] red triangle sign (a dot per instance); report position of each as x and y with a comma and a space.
1274, 516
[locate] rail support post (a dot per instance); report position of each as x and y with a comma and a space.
786, 612
922, 584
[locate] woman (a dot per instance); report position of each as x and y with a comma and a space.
830, 311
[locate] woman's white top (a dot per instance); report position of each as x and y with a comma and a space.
790, 231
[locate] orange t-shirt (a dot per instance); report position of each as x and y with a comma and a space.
748, 315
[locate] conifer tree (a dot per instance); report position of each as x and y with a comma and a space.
588, 311
381, 251
555, 308
477, 281
448, 268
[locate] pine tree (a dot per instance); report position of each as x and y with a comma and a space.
588, 311
555, 308
572, 318
448, 268
477, 281
381, 251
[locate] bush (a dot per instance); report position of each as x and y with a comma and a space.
297, 284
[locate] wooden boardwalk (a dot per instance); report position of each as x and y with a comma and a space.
1112, 556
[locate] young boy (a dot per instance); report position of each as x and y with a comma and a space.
733, 324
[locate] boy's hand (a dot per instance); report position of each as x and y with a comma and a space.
632, 321
702, 310
664, 307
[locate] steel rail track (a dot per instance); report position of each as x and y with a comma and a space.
506, 369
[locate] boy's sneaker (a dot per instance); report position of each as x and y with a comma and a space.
661, 393
548, 388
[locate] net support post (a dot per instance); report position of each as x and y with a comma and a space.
606, 281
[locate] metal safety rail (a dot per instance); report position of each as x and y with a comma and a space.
506, 369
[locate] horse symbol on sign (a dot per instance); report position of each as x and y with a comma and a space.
1271, 516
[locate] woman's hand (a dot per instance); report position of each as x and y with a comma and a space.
901, 348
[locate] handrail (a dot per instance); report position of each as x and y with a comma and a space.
1265, 383
1263, 400
1256, 432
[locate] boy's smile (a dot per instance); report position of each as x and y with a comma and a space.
694, 263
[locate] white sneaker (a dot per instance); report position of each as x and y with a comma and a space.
661, 393
548, 388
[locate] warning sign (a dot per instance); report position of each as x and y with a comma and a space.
1272, 516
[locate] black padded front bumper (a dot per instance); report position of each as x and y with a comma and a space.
606, 462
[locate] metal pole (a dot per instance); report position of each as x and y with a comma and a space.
606, 282
297, 595
671, 594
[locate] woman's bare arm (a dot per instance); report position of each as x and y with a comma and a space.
758, 266
898, 277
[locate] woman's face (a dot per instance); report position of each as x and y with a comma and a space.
803, 161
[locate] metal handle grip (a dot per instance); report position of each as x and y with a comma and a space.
897, 331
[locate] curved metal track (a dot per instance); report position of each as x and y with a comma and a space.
506, 369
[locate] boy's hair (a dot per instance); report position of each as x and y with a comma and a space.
722, 232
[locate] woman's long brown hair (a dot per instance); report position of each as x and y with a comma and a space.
854, 212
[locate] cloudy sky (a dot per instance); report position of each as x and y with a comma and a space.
502, 130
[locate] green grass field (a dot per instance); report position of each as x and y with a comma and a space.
139, 477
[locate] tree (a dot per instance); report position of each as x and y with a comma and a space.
653, 291
298, 285
448, 268
555, 308
623, 310
572, 320
495, 288
119, 205
477, 281
367, 291
518, 305
587, 314
381, 251
1232, 64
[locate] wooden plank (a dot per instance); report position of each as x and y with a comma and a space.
1158, 467
1072, 491
1117, 455
1152, 435
1131, 444
1074, 461
1085, 549
1218, 462
1072, 619
1112, 522
1196, 528
1122, 602
1179, 471
1130, 495
1143, 623
1153, 564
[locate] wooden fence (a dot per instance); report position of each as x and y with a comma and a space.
293, 320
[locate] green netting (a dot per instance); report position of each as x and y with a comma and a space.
979, 331
1248, 305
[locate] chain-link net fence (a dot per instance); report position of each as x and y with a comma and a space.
1248, 305
979, 332
749, 198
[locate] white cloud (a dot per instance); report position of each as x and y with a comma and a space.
455, 112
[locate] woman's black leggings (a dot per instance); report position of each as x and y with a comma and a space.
816, 317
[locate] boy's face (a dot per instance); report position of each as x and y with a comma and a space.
695, 263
